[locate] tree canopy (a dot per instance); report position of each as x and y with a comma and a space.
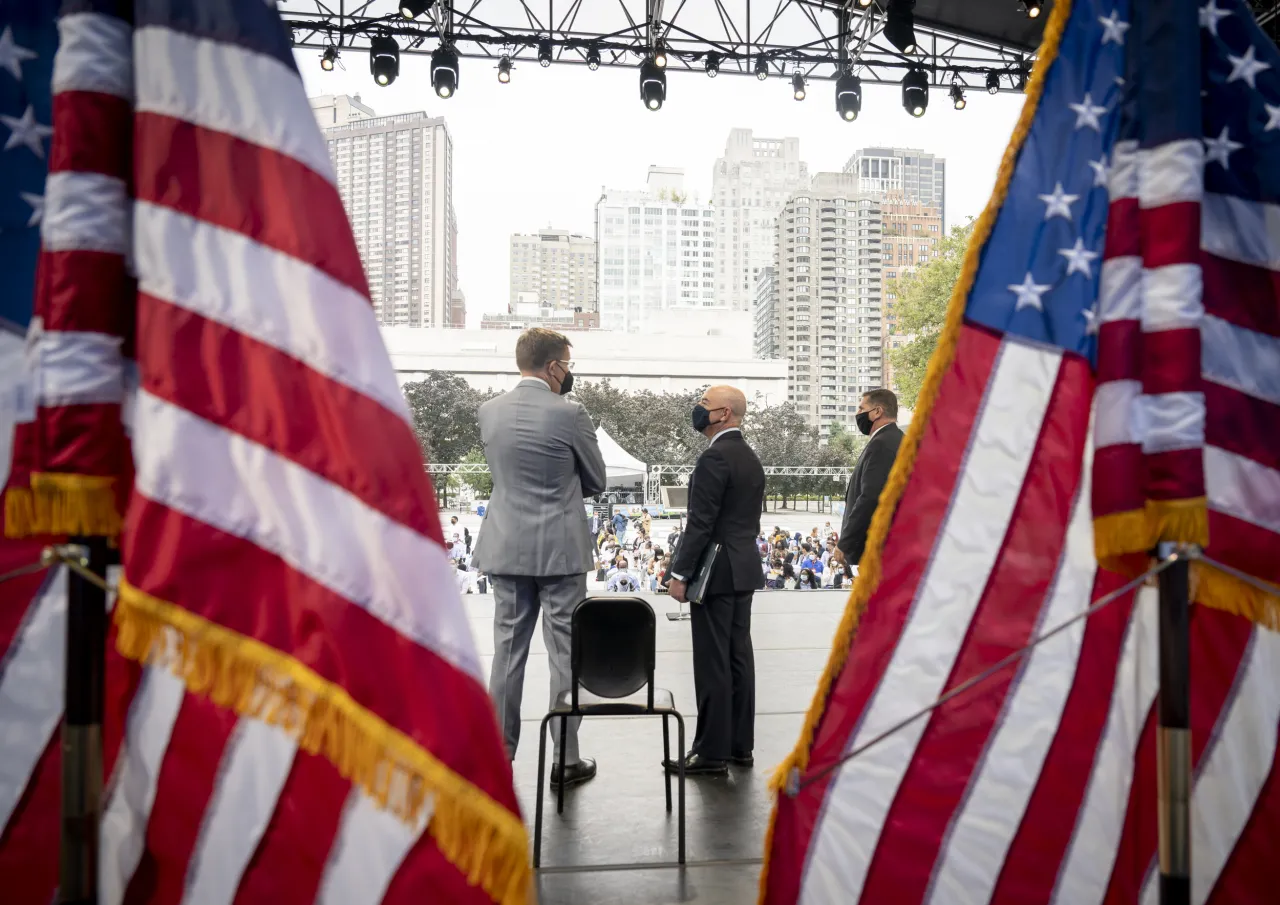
921, 308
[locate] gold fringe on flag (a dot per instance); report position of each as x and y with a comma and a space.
484, 840
869, 566
62, 504
1121, 534
1217, 589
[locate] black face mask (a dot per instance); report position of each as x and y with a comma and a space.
566, 384
700, 417
864, 422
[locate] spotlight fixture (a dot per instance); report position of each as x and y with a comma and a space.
384, 59
660, 54
444, 71
762, 68
848, 96
797, 85
993, 82
864, 3
915, 91
504, 69
328, 58
1033, 8
713, 64
653, 85
412, 9
544, 53
899, 25
593, 58
957, 96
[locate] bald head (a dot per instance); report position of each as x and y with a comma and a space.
727, 404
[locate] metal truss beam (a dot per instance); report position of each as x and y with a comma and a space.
818, 38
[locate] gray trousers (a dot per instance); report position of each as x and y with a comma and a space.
517, 601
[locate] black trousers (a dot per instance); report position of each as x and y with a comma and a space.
724, 676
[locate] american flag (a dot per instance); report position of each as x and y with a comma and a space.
296, 711
1107, 377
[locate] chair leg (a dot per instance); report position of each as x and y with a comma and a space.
680, 754
564, 725
666, 756
542, 778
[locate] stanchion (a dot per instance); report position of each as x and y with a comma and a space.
82, 726
1173, 740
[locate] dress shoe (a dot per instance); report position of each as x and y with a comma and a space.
573, 773
696, 764
742, 760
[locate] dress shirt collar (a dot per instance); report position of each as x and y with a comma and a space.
881, 427
727, 430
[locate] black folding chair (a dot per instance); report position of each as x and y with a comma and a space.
612, 656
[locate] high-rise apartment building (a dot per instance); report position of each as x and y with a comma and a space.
910, 239
655, 252
395, 174
456, 317
905, 173
828, 313
749, 185
768, 332
557, 266
339, 109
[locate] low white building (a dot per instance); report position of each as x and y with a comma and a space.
689, 349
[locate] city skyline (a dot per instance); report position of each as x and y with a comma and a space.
525, 159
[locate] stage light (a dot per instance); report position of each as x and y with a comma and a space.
444, 71
504, 69
993, 82
848, 96
653, 85
544, 53
384, 59
1033, 8
915, 91
957, 96
412, 9
899, 25
660, 55
328, 58
713, 64
593, 58
864, 3
797, 86
762, 68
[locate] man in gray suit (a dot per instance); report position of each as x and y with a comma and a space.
535, 541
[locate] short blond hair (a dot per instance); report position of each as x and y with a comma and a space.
537, 347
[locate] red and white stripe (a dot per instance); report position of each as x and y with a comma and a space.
1038, 785
84, 303
1240, 364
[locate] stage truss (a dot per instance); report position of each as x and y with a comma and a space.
818, 38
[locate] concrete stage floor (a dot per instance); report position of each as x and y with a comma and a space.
615, 844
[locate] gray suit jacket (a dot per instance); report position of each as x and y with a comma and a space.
543, 455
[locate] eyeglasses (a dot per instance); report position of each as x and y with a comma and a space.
568, 365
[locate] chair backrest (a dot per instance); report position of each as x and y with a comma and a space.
613, 647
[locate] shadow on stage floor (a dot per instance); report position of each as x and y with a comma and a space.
615, 844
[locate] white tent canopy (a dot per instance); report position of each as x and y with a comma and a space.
620, 466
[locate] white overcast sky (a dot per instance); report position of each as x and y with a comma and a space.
536, 152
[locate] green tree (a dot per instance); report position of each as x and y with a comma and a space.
482, 484
846, 444
653, 427
781, 436
921, 308
444, 408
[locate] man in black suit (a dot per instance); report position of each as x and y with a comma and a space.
877, 417
726, 493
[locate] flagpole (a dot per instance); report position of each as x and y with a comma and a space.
1173, 741
82, 726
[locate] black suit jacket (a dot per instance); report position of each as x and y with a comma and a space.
860, 499
726, 494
